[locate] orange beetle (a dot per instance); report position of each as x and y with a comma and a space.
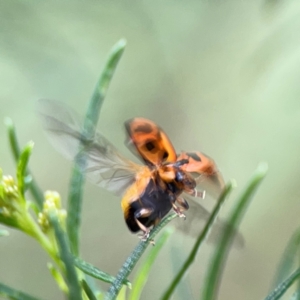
149, 191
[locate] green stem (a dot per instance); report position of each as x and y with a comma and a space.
90, 122
200, 239
35, 231
15, 148
213, 277
142, 274
283, 286
133, 259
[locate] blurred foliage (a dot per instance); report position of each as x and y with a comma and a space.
220, 77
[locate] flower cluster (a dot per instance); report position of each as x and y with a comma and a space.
12, 206
52, 203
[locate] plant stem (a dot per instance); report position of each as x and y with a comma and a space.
133, 258
283, 286
213, 277
198, 242
90, 122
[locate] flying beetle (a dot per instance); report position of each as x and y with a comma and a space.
149, 191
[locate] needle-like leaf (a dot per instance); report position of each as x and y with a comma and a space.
67, 258
198, 242
90, 122
13, 294
15, 148
212, 279
133, 258
283, 286
95, 272
143, 273
22, 167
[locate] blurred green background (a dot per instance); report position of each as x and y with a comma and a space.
219, 76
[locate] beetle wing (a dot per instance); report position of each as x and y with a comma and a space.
208, 178
150, 141
205, 172
104, 165
196, 218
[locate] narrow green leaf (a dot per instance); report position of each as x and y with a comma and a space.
67, 258
283, 286
212, 279
143, 273
133, 258
90, 122
199, 241
14, 145
88, 290
22, 167
10, 293
58, 278
184, 287
13, 141
122, 294
102, 88
94, 272
288, 259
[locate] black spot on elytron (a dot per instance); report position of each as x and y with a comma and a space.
194, 156
166, 154
145, 128
150, 146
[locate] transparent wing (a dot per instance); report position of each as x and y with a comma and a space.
196, 218
105, 166
212, 184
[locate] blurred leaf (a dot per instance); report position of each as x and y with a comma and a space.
95, 272
14, 145
283, 286
22, 167
88, 290
12, 222
4, 232
10, 293
198, 243
184, 288
122, 294
67, 259
143, 273
133, 258
288, 259
90, 122
58, 278
212, 279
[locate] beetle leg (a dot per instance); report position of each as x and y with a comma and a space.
178, 211
182, 203
196, 193
143, 213
144, 236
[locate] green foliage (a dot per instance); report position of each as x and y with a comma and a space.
213, 278
10, 293
143, 273
57, 230
95, 272
198, 243
90, 122
15, 149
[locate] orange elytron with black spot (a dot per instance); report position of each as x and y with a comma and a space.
148, 191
